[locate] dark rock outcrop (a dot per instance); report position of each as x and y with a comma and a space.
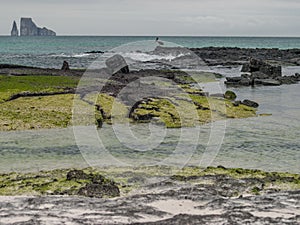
264, 69
29, 28
238, 56
96, 185
14, 31
257, 72
65, 66
250, 103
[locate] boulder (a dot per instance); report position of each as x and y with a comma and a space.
289, 79
245, 82
234, 79
230, 95
262, 67
238, 81
77, 175
96, 185
65, 66
250, 103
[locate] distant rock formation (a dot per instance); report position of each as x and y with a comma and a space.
14, 30
28, 28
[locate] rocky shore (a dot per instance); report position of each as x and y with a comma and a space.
214, 56
142, 96
188, 196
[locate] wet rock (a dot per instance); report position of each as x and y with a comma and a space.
260, 68
97, 185
95, 52
268, 82
289, 79
234, 79
250, 103
238, 81
245, 82
239, 56
65, 66
259, 75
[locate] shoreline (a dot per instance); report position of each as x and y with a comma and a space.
192, 194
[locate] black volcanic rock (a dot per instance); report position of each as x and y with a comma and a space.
264, 69
14, 30
29, 28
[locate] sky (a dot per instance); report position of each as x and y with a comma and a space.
157, 17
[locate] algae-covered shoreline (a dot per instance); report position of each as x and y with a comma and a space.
191, 195
127, 180
38, 98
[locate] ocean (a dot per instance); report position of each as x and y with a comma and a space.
50, 52
269, 143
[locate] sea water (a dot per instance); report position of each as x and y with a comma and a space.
50, 52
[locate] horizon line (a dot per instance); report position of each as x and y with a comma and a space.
139, 35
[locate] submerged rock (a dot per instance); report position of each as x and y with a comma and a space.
268, 82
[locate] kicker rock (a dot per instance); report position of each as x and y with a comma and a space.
29, 28
14, 30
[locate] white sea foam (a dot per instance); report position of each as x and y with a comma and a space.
77, 55
144, 57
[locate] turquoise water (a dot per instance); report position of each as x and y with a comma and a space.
51, 51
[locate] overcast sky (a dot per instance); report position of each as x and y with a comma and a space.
157, 17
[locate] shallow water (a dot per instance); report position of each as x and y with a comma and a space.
269, 143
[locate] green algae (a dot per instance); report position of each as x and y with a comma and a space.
10, 85
54, 182
198, 109
189, 108
129, 179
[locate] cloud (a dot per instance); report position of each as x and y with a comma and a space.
169, 17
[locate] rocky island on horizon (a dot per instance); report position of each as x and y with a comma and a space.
29, 28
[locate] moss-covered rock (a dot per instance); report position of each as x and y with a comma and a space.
59, 182
230, 95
